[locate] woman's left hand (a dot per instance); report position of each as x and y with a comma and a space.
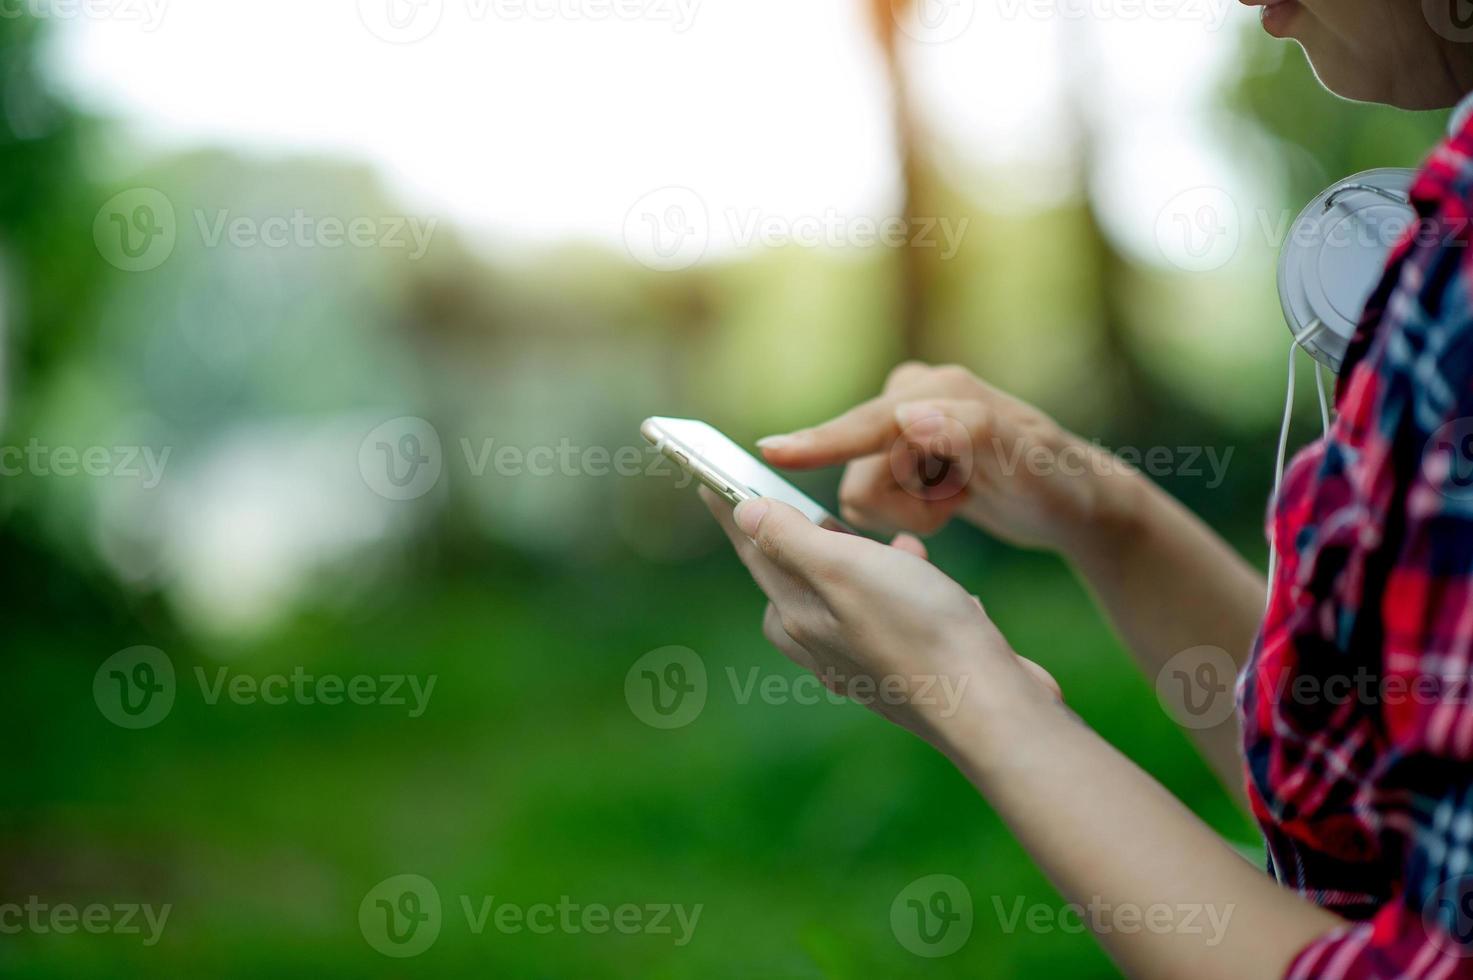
878, 624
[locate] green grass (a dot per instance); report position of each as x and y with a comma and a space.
529, 778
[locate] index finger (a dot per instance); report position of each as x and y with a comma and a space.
864, 430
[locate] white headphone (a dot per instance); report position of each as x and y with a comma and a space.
1332, 261
1335, 254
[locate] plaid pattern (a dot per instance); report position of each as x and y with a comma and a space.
1357, 704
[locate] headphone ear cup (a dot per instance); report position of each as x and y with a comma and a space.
1336, 254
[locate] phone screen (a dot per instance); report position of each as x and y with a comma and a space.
713, 454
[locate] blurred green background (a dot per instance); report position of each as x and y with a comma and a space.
266, 547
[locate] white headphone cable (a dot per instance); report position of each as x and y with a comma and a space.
1319, 386
1273, 504
1273, 501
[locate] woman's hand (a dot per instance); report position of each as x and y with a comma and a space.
876, 623
880, 623
939, 441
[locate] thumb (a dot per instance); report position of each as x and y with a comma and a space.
787, 538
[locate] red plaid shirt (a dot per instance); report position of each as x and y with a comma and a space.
1357, 704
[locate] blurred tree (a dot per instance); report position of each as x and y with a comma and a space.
1132, 389
914, 271
48, 275
46, 256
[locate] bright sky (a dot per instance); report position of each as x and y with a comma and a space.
537, 120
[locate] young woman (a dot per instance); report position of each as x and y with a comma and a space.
1366, 798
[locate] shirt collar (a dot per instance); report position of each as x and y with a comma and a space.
1462, 112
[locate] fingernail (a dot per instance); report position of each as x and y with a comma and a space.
776, 442
749, 514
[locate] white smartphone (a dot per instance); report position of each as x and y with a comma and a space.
727, 468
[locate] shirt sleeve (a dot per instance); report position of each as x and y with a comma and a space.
1414, 580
